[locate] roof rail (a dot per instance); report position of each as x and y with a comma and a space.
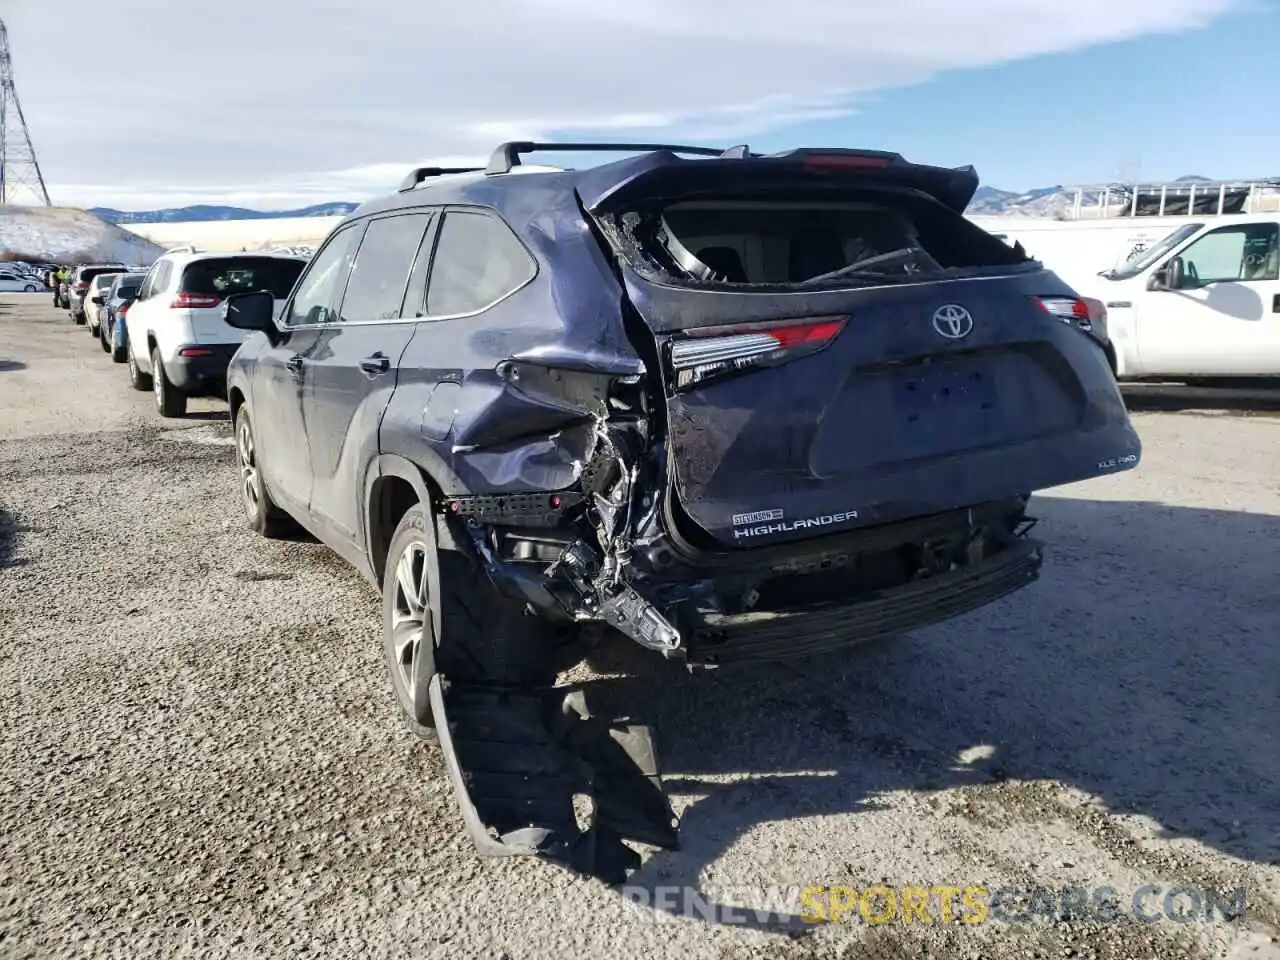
507, 155
417, 175
182, 248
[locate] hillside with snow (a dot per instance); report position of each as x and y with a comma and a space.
64, 235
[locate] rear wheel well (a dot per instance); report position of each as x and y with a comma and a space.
1111, 359
389, 500
235, 400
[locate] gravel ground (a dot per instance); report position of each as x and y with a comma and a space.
201, 754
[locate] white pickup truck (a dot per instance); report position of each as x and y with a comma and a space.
1204, 301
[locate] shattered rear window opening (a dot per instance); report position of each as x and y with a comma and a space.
785, 243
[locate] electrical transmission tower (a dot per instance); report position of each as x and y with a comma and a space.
19, 172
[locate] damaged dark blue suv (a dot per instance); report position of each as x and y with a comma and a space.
736, 406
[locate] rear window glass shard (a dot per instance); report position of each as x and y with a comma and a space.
375, 290
478, 261
788, 242
224, 276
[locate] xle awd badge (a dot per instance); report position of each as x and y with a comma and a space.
953, 321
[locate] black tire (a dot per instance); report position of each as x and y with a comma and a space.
29, 288
475, 635
141, 381
170, 401
102, 338
265, 518
118, 354
79, 317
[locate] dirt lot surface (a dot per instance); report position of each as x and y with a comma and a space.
202, 756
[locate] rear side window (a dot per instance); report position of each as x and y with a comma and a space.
126, 291
223, 277
160, 279
478, 261
381, 269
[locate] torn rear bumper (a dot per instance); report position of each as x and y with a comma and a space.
730, 638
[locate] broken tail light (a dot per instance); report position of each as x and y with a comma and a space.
706, 357
194, 301
1082, 311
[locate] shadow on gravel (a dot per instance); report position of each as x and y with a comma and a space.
1143, 668
213, 416
8, 365
9, 531
1244, 399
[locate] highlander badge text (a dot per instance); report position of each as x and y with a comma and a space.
787, 526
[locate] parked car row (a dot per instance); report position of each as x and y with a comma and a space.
166, 321
736, 407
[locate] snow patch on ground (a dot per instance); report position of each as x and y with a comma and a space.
65, 235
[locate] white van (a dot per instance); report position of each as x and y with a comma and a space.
1204, 301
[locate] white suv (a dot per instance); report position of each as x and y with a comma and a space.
178, 343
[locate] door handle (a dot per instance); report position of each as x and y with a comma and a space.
375, 364
294, 364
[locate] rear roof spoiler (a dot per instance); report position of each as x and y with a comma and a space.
664, 174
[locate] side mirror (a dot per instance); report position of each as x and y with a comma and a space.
252, 311
99, 300
1175, 274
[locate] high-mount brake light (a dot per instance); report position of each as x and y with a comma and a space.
839, 161
707, 356
194, 301
1082, 311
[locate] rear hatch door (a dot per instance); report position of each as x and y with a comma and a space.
796, 410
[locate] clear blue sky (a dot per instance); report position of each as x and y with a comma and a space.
1204, 102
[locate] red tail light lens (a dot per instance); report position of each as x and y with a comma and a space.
122, 309
195, 352
194, 301
712, 354
1081, 311
80, 288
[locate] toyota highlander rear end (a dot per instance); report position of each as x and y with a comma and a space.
854, 392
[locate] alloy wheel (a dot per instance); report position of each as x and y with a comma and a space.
250, 481
410, 616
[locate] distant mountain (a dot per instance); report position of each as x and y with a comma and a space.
205, 212
1046, 203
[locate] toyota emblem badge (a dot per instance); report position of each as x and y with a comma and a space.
953, 321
